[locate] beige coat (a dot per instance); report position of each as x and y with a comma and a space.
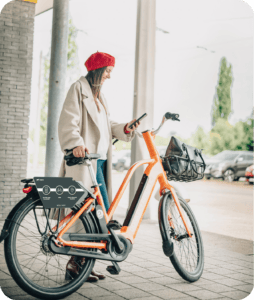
81, 108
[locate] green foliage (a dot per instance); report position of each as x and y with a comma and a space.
72, 70
72, 58
200, 140
161, 141
244, 135
44, 107
224, 136
31, 134
222, 99
121, 145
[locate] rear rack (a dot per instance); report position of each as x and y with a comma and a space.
27, 180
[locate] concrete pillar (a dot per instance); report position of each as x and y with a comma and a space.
58, 68
144, 85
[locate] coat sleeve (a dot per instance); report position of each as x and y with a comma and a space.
117, 130
69, 121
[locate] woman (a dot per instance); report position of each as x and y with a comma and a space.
84, 126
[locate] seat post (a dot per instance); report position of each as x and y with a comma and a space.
91, 171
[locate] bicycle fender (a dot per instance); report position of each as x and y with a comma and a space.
8, 220
179, 188
167, 244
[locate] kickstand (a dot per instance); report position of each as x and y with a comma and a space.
115, 269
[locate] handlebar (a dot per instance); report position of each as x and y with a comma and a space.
173, 117
167, 116
72, 160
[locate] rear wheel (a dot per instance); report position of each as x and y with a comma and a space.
188, 255
32, 265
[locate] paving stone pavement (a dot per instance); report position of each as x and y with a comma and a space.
148, 274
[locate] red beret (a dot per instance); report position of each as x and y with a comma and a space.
99, 60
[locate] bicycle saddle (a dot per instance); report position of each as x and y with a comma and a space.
71, 160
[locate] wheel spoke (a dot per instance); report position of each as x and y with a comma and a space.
186, 249
36, 264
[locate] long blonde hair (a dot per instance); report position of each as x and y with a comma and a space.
94, 78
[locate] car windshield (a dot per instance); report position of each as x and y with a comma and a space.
225, 156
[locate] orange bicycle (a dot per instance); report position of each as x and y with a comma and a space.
37, 248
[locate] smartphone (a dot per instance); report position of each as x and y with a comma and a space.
143, 116
140, 118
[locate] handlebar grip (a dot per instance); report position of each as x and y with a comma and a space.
68, 156
167, 115
171, 116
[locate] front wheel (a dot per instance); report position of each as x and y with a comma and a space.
229, 175
32, 265
188, 255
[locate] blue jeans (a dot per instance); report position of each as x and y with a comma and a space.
100, 177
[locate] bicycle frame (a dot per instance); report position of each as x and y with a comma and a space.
153, 172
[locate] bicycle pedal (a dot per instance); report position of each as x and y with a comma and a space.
115, 225
114, 270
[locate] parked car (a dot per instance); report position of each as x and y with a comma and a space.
114, 159
228, 165
249, 174
124, 160
206, 158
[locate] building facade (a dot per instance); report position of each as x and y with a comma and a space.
16, 53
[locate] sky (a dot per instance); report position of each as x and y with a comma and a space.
186, 74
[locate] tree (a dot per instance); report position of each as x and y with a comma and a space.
243, 132
72, 58
200, 140
222, 99
73, 72
222, 137
225, 136
73, 69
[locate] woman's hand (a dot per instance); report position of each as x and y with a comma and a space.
80, 151
133, 126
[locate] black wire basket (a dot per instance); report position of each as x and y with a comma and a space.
183, 162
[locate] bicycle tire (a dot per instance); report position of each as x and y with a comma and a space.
13, 258
189, 266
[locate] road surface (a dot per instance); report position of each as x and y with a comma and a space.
220, 207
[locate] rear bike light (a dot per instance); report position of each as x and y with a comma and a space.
27, 190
